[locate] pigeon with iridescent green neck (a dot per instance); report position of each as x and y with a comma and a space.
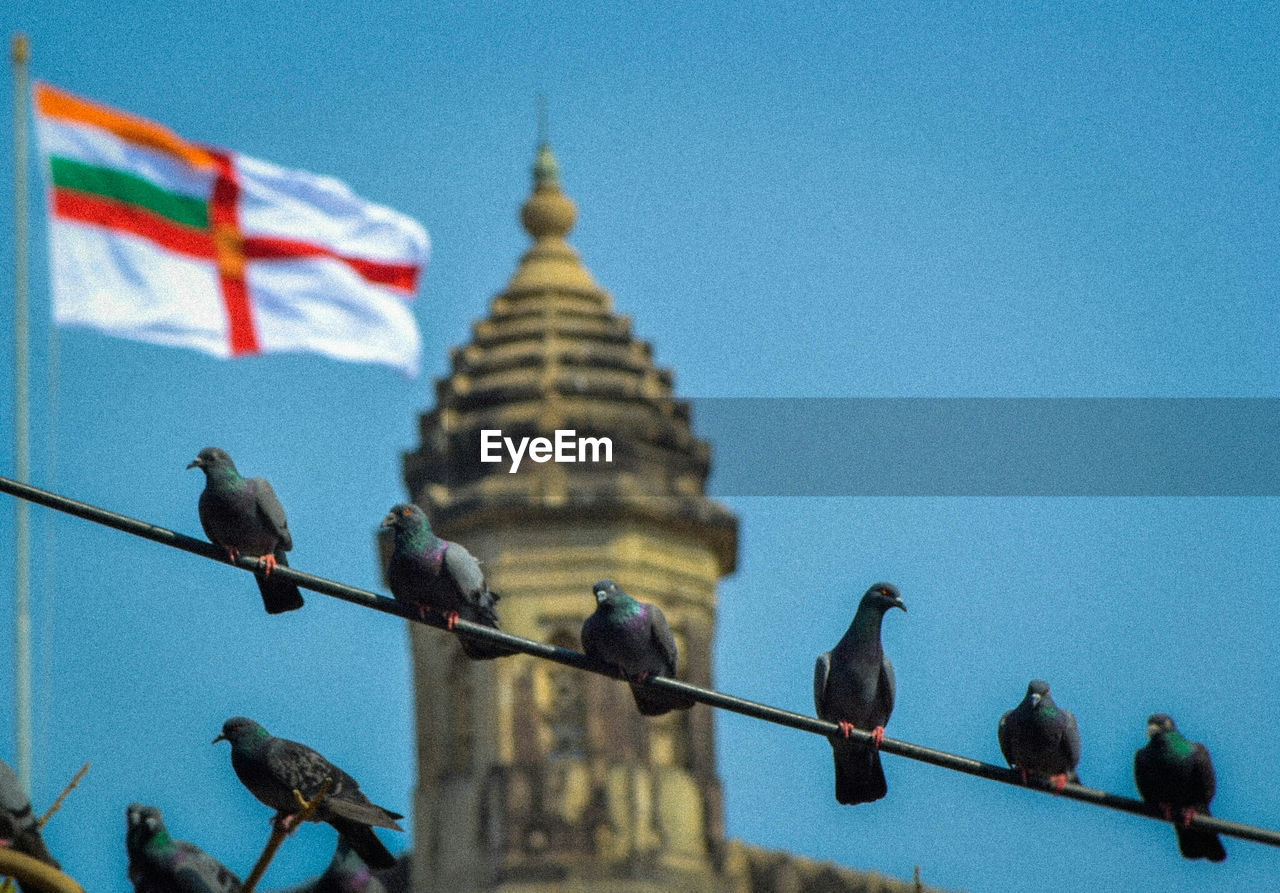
1177, 775
243, 516
273, 768
634, 637
853, 686
429, 573
19, 828
1040, 737
160, 864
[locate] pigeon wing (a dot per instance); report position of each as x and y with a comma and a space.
886, 691
821, 670
662, 640
271, 512
1005, 733
1206, 783
198, 871
297, 767
464, 570
592, 636
1070, 741
13, 798
1144, 774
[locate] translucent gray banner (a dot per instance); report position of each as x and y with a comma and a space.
992, 447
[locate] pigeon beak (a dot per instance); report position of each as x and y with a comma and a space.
1035, 700
194, 463
600, 596
389, 520
220, 737
898, 604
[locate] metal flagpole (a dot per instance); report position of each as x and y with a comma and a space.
21, 419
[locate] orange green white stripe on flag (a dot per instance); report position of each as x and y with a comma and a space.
164, 240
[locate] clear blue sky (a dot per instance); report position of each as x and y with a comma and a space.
919, 200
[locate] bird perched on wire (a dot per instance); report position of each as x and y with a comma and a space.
19, 828
160, 864
634, 637
853, 686
243, 516
429, 573
1039, 737
273, 768
1177, 774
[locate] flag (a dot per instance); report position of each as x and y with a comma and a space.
159, 239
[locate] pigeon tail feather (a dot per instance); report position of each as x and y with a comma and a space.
859, 775
652, 702
365, 842
279, 595
478, 650
1196, 844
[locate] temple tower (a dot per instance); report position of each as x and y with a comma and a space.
533, 776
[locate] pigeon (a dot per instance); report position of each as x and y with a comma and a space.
634, 637
347, 873
273, 768
853, 686
427, 572
243, 515
160, 864
19, 829
1177, 774
1039, 737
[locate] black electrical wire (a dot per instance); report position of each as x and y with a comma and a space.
582, 662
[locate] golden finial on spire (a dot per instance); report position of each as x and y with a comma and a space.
548, 215
548, 212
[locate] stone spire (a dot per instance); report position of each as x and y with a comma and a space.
553, 355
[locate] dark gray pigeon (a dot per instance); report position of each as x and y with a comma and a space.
19, 829
1039, 737
429, 573
853, 685
243, 516
273, 768
160, 864
347, 873
634, 637
1177, 774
